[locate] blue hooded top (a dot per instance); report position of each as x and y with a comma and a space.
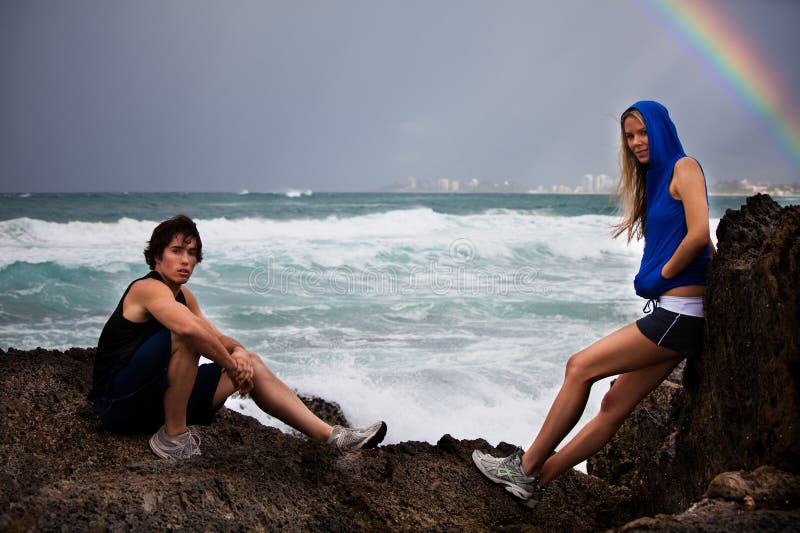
665, 225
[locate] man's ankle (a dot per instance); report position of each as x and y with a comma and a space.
175, 431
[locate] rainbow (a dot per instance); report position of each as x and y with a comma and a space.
725, 46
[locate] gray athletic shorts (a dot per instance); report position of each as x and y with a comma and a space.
680, 333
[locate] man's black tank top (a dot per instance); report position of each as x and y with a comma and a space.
120, 339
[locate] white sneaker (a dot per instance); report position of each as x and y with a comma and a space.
350, 439
507, 471
175, 448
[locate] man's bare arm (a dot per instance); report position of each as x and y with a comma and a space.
229, 342
158, 300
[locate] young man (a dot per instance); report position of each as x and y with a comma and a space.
146, 370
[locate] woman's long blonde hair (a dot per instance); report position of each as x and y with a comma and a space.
631, 187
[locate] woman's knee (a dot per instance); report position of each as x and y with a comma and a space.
578, 369
615, 406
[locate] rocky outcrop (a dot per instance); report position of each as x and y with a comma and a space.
739, 406
766, 499
62, 471
745, 389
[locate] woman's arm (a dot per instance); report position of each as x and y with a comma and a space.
688, 186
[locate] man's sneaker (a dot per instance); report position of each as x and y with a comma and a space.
175, 448
508, 471
349, 439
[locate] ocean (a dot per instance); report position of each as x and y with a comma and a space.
439, 313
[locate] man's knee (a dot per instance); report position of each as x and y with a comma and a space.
259, 367
182, 347
181, 344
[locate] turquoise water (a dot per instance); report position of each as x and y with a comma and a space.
438, 313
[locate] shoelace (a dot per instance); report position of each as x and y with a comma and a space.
194, 444
191, 447
516, 460
348, 436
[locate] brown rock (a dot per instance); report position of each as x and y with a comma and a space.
62, 471
716, 516
763, 500
765, 487
745, 389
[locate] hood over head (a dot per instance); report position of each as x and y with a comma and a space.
662, 137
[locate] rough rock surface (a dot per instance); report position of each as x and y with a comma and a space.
61, 471
718, 516
739, 407
765, 487
745, 389
766, 499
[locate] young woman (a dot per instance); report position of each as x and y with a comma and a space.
663, 198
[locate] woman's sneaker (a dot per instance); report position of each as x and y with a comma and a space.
350, 439
175, 448
508, 471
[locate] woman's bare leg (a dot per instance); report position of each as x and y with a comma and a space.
628, 390
620, 352
276, 399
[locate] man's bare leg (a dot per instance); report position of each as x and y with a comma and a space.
181, 375
276, 399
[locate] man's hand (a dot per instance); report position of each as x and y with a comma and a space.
241, 373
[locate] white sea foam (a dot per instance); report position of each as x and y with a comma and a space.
296, 193
334, 241
93, 244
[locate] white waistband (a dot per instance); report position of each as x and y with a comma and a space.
683, 305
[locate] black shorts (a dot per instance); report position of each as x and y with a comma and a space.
680, 333
133, 402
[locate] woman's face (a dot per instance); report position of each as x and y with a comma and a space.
636, 137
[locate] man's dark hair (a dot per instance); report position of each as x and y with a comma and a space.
165, 232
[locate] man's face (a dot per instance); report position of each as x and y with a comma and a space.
178, 260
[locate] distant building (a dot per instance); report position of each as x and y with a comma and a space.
444, 185
604, 183
587, 183
455, 186
412, 183
599, 184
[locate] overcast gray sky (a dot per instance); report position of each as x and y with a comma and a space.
340, 95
